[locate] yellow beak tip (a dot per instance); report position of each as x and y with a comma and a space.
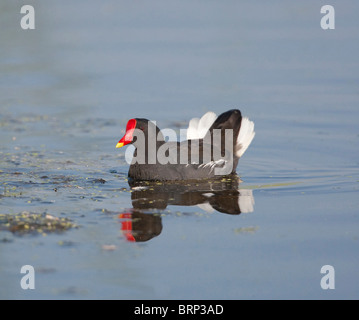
119, 145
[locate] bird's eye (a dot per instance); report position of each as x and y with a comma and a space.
142, 128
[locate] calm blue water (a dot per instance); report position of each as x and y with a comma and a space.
67, 90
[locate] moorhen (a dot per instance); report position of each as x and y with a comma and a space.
212, 149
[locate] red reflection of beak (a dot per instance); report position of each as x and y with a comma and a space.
126, 226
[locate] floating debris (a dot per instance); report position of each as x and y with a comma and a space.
66, 243
109, 247
247, 230
34, 223
102, 181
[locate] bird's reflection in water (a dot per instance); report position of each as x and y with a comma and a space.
222, 195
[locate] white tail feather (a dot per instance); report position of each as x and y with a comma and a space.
205, 123
245, 136
198, 128
192, 131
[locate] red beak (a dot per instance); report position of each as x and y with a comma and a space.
128, 137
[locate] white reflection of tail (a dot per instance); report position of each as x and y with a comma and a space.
246, 200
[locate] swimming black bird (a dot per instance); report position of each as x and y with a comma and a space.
212, 149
